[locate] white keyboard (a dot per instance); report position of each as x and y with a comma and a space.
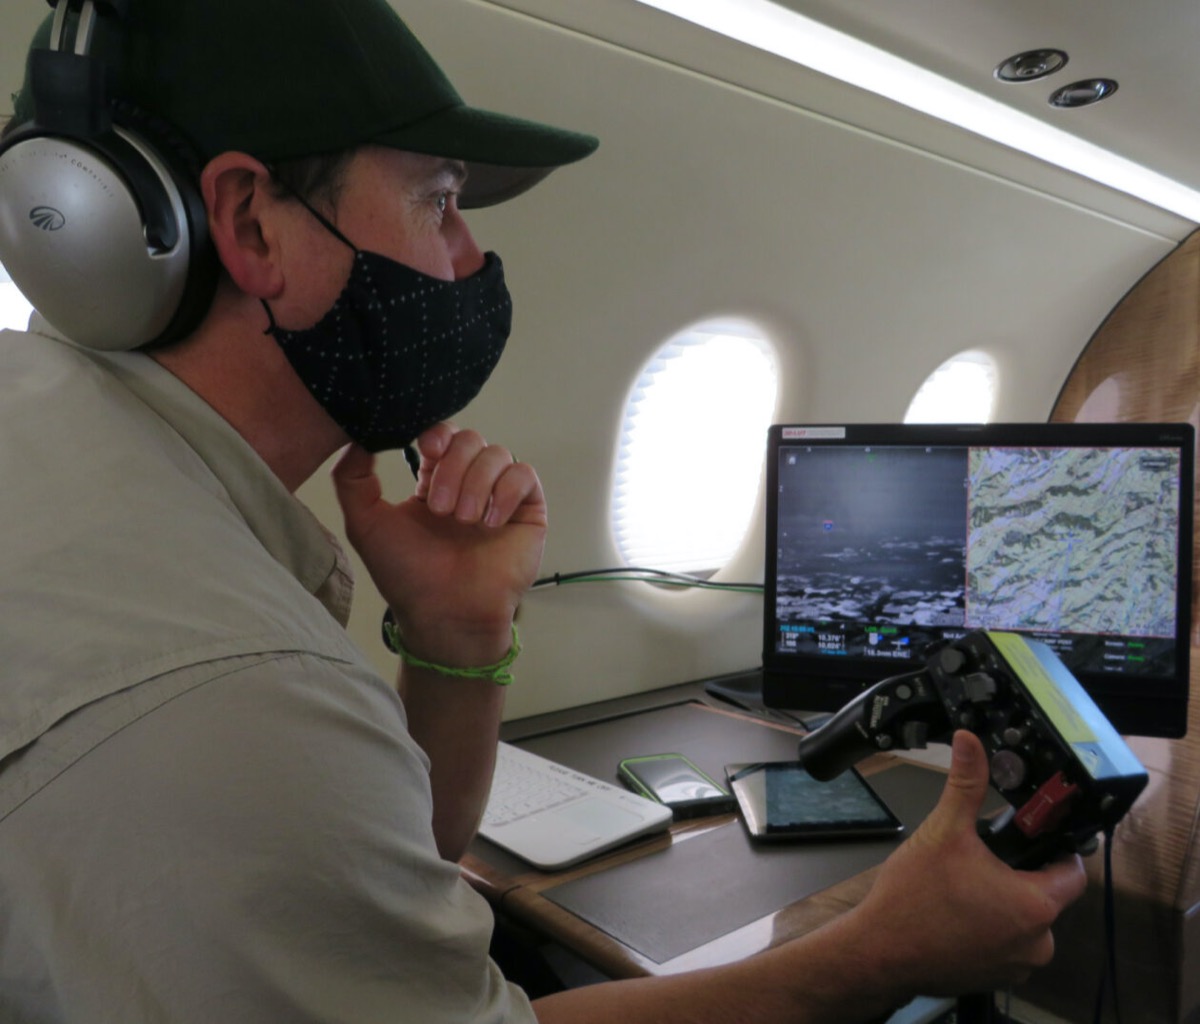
554, 816
525, 784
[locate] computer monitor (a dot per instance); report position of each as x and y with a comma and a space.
883, 539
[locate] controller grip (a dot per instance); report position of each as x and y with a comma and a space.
838, 744
901, 712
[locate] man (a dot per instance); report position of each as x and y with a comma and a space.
211, 808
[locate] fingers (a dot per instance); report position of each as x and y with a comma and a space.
431, 446
460, 481
1050, 891
517, 497
1062, 882
476, 483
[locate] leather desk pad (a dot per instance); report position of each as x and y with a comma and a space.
669, 902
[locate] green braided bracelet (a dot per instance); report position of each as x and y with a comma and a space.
498, 673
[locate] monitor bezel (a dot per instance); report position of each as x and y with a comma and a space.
1155, 707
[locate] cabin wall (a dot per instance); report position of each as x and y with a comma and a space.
871, 243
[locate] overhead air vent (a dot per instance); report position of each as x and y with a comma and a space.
1031, 65
1083, 94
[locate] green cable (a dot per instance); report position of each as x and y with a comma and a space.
633, 574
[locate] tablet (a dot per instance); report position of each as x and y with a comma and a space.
780, 800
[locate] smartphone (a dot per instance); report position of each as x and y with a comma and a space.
780, 800
675, 782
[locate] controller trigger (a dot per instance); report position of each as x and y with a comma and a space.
914, 735
1047, 806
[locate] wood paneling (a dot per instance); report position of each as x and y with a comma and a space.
1143, 365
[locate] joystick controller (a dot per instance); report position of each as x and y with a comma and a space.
1065, 772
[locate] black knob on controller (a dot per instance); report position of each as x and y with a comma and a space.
951, 660
1014, 735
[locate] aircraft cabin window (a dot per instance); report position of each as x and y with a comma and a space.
688, 465
961, 390
15, 311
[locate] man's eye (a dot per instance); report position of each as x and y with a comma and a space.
442, 201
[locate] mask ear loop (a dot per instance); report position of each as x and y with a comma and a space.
324, 221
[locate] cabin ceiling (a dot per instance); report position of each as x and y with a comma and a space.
1149, 47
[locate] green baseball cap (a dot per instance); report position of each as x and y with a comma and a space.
281, 79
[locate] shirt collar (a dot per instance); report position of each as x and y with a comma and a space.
282, 524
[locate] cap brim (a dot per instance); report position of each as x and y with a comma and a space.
504, 155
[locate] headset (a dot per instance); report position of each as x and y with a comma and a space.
102, 226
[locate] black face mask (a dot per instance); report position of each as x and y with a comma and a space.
400, 350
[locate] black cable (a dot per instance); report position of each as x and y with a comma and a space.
1108, 971
413, 460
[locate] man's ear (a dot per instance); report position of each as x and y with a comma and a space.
237, 194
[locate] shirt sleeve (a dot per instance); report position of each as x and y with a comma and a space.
258, 849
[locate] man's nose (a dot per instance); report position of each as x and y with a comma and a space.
466, 257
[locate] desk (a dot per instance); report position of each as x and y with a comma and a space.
702, 894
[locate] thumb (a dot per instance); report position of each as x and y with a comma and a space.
967, 787
356, 484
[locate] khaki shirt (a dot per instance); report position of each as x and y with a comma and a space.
210, 806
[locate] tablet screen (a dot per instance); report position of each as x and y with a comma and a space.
780, 800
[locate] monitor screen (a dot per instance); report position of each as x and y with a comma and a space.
883, 539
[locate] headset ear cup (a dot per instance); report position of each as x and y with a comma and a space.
107, 236
183, 166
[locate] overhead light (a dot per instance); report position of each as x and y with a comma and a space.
1031, 65
774, 29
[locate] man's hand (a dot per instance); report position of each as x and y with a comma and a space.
454, 560
945, 915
